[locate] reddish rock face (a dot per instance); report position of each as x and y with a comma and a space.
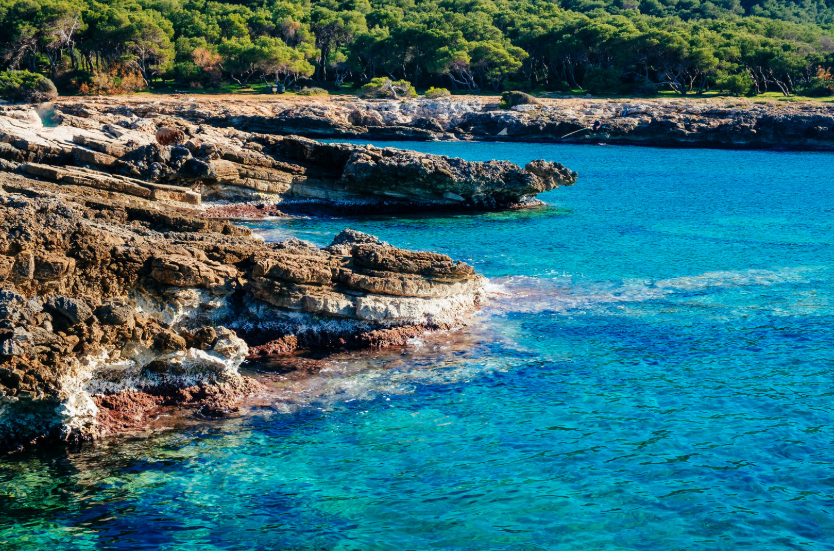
169, 136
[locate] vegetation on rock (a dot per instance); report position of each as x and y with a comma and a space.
386, 88
312, 91
435, 93
511, 99
26, 86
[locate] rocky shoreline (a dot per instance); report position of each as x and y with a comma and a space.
124, 288
117, 150
735, 123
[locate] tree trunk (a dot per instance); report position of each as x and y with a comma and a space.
53, 68
73, 57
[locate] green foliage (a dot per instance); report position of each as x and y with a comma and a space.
511, 99
525, 85
603, 46
187, 71
312, 91
736, 85
599, 80
821, 85
26, 86
386, 88
435, 93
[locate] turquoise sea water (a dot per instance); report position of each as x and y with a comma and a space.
654, 372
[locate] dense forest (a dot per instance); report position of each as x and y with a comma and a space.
600, 46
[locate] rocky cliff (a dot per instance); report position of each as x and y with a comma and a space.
111, 148
113, 304
682, 122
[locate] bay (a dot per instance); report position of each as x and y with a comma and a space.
653, 371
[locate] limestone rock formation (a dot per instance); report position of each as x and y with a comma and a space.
112, 304
682, 122
185, 163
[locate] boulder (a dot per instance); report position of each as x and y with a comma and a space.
75, 310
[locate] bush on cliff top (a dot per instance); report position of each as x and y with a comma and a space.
26, 86
434, 93
313, 91
382, 87
511, 99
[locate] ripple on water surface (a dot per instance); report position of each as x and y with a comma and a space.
654, 371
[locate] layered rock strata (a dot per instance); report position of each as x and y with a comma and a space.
115, 150
112, 304
683, 122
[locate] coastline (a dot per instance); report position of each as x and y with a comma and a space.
690, 122
126, 289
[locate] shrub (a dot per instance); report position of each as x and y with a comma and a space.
434, 93
517, 85
511, 99
819, 86
312, 91
602, 81
737, 85
382, 87
210, 63
26, 86
186, 72
643, 87
119, 80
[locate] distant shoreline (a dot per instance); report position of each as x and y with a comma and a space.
716, 123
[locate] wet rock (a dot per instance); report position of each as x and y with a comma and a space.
551, 175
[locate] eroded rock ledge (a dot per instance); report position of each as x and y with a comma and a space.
112, 304
115, 150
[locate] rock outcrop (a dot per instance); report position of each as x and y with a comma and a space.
682, 122
112, 304
121, 293
115, 151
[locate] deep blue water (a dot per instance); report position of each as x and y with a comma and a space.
654, 372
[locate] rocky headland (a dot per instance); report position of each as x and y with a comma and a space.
113, 304
124, 288
113, 147
682, 122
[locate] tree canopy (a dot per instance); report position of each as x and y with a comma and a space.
602, 46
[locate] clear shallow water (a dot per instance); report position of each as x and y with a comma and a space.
654, 372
